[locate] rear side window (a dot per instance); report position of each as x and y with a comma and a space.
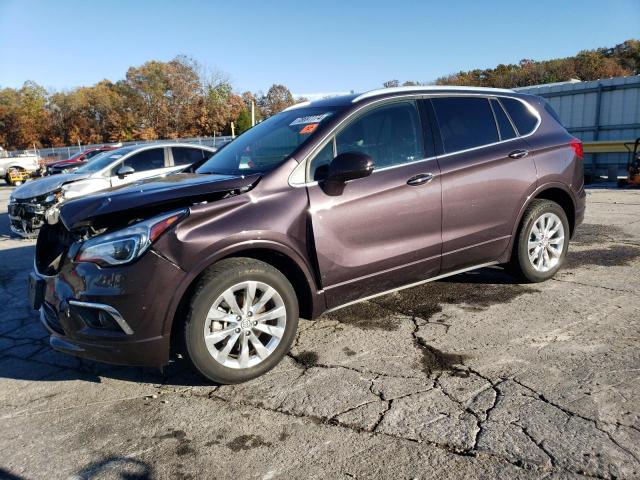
523, 117
146, 160
504, 125
465, 122
187, 156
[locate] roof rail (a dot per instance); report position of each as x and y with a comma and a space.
380, 91
297, 105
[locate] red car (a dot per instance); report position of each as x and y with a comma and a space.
76, 160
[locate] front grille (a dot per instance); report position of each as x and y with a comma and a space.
50, 316
51, 248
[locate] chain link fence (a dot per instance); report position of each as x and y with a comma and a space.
60, 153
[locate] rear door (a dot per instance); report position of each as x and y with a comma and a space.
382, 231
146, 163
486, 173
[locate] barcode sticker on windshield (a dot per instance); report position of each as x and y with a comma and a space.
309, 119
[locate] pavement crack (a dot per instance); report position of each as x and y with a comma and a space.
593, 421
611, 289
307, 362
552, 459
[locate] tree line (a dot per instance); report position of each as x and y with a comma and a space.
181, 98
158, 100
621, 60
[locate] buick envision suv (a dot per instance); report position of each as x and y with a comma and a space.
320, 206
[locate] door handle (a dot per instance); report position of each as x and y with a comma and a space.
420, 179
519, 153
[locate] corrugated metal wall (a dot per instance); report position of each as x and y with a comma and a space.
599, 110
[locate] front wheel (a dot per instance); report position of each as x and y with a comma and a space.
542, 241
242, 321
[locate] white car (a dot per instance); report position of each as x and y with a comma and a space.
26, 162
29, 202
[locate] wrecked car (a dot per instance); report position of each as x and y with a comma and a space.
318, 207
29, 203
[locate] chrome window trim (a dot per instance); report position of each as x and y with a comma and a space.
106, 308
488, 95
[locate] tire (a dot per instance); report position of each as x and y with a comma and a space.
535, 270
240, 363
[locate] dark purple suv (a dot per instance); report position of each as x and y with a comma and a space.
322, 205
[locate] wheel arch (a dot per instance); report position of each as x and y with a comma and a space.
310, 301
556, 192
564, 199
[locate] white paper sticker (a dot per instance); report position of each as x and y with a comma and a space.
310, 119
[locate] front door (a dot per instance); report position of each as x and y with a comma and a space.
382, 231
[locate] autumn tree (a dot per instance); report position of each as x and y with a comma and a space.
24, 119
278, 98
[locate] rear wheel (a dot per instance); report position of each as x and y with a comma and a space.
242, 320
542, 241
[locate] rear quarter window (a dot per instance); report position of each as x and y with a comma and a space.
521, 115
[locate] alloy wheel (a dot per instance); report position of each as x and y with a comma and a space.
546, 242
245, 324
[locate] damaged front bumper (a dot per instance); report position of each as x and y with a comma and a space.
26, 217
115, 315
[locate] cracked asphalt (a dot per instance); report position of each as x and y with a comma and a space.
475, 377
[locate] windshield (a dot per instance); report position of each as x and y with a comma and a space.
265, 146
103, 160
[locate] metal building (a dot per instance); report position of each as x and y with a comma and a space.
597, 111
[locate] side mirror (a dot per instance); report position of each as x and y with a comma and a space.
125, 170
349, 166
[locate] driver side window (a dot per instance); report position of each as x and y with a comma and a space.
391, 135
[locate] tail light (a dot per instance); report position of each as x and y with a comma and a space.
577, 147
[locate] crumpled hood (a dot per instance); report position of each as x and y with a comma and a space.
173, 191
44, 185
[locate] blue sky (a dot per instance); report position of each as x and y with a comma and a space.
322, 46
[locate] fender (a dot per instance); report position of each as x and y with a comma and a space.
506, 255
317, 296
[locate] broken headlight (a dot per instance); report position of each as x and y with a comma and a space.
126, 245
52, 197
